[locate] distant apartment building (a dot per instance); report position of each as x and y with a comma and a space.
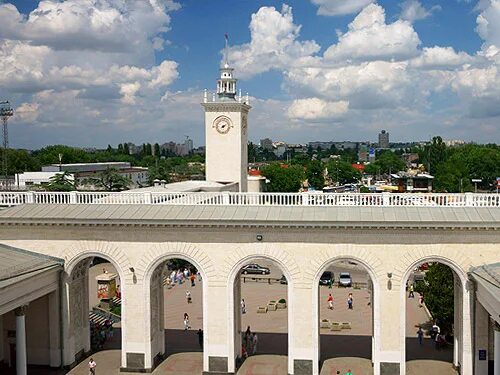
279, 148
346, 145
383, 139
297, 148
180, 149
320, 145
266, 144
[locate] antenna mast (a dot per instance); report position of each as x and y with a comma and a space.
6, 111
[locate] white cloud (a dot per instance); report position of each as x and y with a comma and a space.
370, 38
340, 7
273, 44
413, 10
488, 23
316, 109
441, 58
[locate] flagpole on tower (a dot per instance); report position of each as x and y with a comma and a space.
226, 50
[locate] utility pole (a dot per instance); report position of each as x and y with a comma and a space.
6, 112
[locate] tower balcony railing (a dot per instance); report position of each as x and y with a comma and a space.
252, 199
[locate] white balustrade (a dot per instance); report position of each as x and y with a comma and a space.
9, 198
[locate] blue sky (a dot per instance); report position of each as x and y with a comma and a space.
89, 73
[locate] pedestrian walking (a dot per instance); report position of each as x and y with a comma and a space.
411, 294
186, 321
420, 334
188, 296
330, 283
248, 333
200, 337
192, 278
243, 306
186, 273
330, 301
255, 341
421, 300
349, 302
199, 275
92, 366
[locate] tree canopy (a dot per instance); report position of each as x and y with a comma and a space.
283, 178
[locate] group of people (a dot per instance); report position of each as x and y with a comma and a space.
99, 333
350, 301
182, 275
249, 345
437, 337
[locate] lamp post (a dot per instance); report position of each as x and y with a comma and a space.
476, 180
6, 111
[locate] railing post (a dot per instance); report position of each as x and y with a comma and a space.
386, 199
73, 199
305, 199
147, 198
225, 198
469, 199
30, 197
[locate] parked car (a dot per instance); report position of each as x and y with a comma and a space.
255, 269
283, 280
345, 279
326, 278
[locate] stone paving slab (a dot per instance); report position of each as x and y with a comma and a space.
358, 366
264, 365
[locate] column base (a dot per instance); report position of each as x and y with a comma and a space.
135, 363
302, 366
389, 368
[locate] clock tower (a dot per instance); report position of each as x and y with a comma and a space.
226, 131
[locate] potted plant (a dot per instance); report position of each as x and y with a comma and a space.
281, 304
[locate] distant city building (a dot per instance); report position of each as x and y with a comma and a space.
346, 145
297, 148
266, 144
321, 145
454, 142
279, 148
83, 172
28, 180
383, 139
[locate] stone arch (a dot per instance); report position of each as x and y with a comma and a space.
84, 249
287, 264
151, 259
375, 268
242, 255
367, 258
458, 262
168, 250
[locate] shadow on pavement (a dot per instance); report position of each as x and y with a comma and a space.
427, 350
333, 346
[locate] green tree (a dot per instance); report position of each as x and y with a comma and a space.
452, 176
61, 182
157, 150
283, 178
50, 155
111, 180
126, 150
314, 174
438, 294
387, 162
342, 172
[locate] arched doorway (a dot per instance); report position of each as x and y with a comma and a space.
94, 310
260, 330
346, 312
176, 294
433, 292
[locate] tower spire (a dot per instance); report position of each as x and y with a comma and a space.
226, 84
226, 51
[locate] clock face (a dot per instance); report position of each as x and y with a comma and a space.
223, 125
